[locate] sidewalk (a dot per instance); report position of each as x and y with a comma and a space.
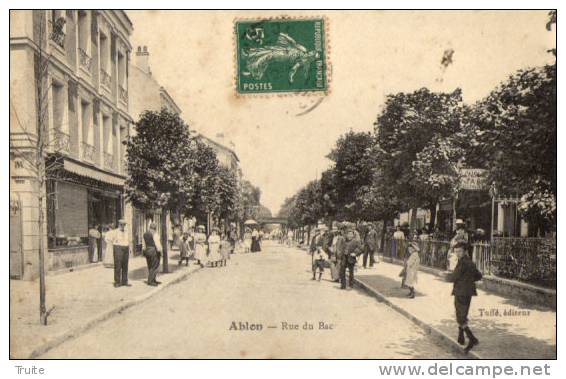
508, 328
81, 299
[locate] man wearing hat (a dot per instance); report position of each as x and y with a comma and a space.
370, 246
152, 252
318, 249
464, 277
119, 239
352, 249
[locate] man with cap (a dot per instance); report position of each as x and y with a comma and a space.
119, 239
465, 276
352, 249
318, 248
370, 246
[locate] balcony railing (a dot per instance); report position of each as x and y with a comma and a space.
105, 79
123, 93
62, 142
88, 152
57, 34
84, 59
109, 161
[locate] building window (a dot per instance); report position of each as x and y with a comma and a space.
85, 59
58, 23
105, 76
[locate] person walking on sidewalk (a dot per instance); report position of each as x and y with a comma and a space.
152, 252
370, 246
465, 276
352, 249
118, 239
412, 268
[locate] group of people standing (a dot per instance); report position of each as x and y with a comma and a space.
339, 249
211, 251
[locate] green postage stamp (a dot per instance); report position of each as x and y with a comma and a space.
281, 55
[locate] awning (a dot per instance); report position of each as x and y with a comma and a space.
93, 173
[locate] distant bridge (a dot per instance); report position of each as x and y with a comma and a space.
272, 220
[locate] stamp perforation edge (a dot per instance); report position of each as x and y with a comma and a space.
301, 93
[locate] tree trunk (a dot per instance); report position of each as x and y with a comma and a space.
413, 225
164, 240
432, 221
383, 232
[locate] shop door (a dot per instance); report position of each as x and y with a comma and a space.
16, 254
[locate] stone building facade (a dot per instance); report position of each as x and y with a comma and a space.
82, 84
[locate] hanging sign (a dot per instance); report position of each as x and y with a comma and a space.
473, 179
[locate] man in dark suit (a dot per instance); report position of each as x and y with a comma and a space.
465, 276
370, 246
352, 249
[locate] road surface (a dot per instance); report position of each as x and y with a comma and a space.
261, 305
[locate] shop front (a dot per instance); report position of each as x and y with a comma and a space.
83, 203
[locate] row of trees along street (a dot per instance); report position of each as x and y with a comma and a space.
171, 169
420, 141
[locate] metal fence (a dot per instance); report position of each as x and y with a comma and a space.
530, 260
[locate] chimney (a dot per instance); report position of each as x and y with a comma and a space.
220, 138
142, 59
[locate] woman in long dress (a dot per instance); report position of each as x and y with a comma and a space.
247, 241
255, 241
200, 246
214, 248
413, 262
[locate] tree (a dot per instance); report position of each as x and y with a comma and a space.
352, 169
408, 130
517, 130
226, 194
161, 165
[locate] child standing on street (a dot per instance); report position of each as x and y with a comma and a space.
214, 248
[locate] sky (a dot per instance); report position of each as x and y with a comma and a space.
371, 54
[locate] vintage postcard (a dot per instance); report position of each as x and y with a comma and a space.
280, 184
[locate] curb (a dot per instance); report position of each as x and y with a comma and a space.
81, 329
434, 332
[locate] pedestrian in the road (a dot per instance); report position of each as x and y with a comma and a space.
152, 252
120, 242
412, 268
337, 251
319, 254
255, 242
214, 248
465, 276
289, 238
352, 249
200, 246
370, 246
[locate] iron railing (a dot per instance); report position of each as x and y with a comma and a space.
88, 152
123, 94
530, 260
105, 79
84, 59
62, 142
109, 160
